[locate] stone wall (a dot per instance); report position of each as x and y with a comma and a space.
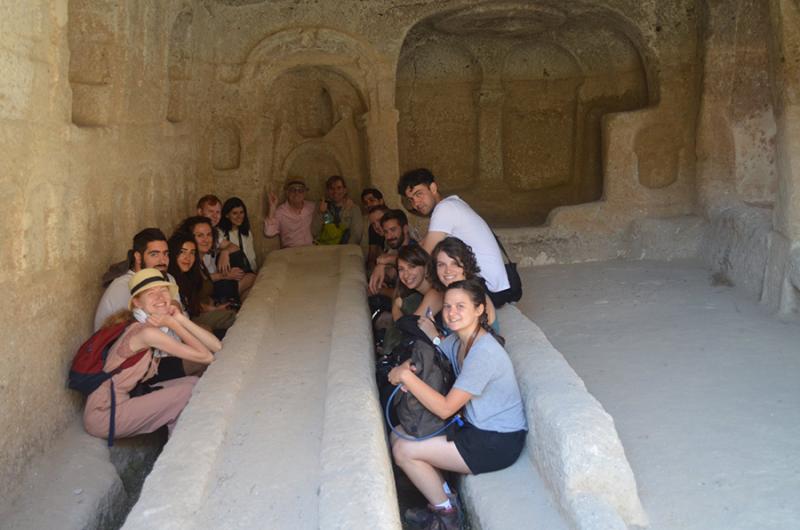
520, 107
90, 157
748, 140
580, 118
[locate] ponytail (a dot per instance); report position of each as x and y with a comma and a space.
484, 323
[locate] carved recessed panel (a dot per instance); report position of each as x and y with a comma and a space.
91, 33
657, 155
226, 147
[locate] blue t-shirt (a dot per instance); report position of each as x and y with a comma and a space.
488, 375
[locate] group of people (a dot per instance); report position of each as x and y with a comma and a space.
451, 281
179, 297
181, 294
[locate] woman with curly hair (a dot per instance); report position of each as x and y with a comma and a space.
452, 260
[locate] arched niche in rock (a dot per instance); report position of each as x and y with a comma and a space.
548, 75
179, 65
318, 86
92, 33
314, 132
437, 83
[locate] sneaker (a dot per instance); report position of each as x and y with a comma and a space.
431, 518
449, 519
418, 517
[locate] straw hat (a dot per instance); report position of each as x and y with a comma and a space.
295, 181
147, 279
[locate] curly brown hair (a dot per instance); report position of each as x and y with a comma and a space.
460, 252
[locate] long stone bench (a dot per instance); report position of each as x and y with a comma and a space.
352, 484
572, 448
572, 474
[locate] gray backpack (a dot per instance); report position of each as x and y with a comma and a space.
432, 367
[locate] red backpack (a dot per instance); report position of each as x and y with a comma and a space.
87, 373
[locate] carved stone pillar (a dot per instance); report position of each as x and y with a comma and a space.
490, 136
785, 59
381, 128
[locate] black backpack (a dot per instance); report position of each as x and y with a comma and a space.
432, 366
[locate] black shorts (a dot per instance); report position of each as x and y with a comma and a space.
486, 451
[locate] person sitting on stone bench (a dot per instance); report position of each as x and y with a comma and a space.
158, 326
337, 220
486, 388
234, 227
394, 225
217, 258
149, 250
377, 242
371, 198
414, 293
196, 288
452, 261
225, 284
451, 216
291, 220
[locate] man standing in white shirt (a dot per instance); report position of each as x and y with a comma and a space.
452, 216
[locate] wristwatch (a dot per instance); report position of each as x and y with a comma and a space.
437, 340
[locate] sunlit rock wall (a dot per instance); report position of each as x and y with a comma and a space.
523, 108
91, 154
569, 121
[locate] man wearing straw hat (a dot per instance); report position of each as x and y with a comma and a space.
292, 219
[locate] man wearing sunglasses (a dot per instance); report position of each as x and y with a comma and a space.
292, 219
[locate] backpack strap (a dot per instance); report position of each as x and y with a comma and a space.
502, 248
127, 363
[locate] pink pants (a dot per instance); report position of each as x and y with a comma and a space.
145, 413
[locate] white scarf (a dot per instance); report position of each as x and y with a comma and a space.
141, 316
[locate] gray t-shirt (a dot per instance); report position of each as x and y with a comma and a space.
488, 375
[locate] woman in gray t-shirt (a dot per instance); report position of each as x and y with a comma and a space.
494, 433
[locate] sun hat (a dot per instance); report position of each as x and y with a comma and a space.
295, 181
147, 279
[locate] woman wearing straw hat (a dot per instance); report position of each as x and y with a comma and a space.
158, 327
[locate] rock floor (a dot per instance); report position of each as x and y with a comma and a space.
703, 385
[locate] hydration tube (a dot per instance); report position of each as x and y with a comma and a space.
456, 419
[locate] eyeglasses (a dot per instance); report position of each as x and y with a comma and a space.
297, 189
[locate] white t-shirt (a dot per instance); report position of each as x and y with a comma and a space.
116, 298
455, 218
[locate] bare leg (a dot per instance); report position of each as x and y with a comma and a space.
421, 461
